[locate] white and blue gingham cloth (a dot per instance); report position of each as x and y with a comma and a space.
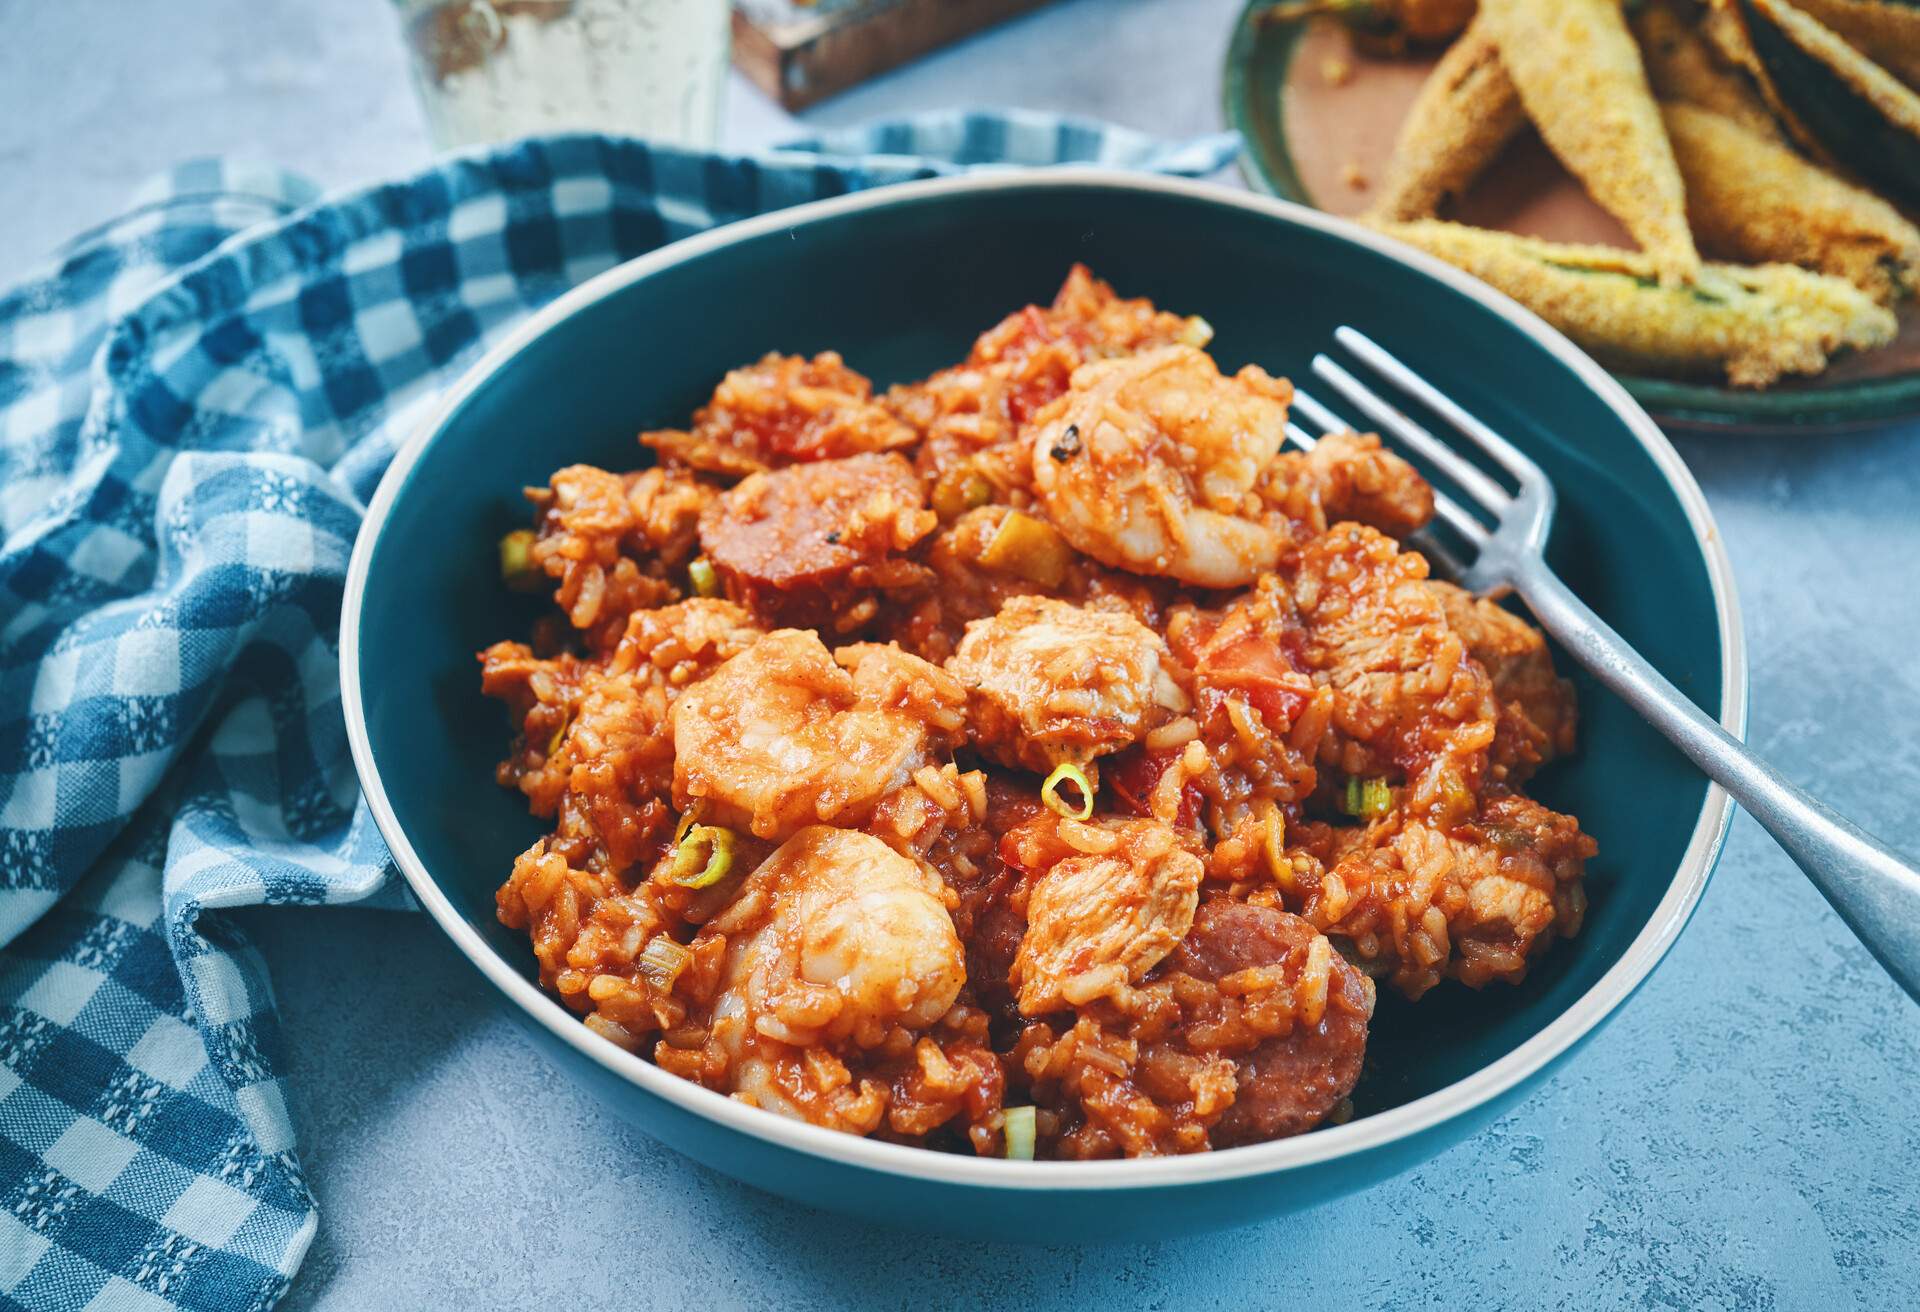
195, 402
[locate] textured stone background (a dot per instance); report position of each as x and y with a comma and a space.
1744, 1135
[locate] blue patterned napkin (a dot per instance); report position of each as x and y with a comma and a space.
195, 402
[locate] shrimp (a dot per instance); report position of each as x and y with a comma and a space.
836, 942
787, 734
1149, 464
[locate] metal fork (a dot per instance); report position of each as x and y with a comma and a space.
1875, 890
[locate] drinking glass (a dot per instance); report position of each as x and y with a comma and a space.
490, 70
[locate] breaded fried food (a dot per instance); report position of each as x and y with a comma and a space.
1581, 81
1885, 31
1682, 66
1752, 199
1896, 104
1727, 31
1467, 112
1755, 325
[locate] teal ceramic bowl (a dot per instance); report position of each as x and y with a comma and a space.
900, 280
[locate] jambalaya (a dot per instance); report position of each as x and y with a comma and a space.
1037, 760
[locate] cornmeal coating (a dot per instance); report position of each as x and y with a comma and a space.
1466, 113
1754, 325
1580, 78
1752, 199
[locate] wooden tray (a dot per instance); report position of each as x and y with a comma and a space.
802, 53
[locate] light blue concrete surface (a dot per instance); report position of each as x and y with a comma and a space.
1745, 1135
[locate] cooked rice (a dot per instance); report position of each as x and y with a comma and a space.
798, 849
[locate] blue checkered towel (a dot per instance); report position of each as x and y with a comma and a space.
195, 402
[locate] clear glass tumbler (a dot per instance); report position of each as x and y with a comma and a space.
491, 70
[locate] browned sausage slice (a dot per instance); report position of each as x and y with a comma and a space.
1290, 1083
807, 546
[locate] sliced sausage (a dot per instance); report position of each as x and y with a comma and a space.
806, 546
1290, 1083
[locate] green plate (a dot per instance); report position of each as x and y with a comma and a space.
1258, 65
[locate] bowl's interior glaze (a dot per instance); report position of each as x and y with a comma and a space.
901, 290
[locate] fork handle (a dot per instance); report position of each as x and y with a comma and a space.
1875, 889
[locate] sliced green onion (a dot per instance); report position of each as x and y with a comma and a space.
703, 857
560, 734
1050, 792
706, 583
1369, 799
1018, 1127
517, 569
662, 962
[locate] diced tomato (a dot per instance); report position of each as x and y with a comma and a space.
1135, 773
1029, 396
1258, 668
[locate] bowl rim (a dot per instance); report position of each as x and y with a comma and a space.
1368, 1133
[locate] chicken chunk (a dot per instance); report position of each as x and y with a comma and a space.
1410, 703
1149, 463
1418, 903
1348, 476
783, 410
1050, 682
811, 546
786, 734
836, 943
1101, 919
1538, 716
